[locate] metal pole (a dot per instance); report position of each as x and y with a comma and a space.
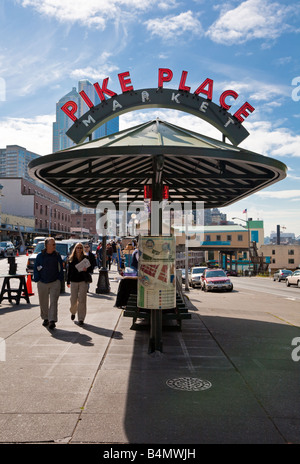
103, 280
155, 343
186, 253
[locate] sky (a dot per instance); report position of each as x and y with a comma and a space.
251, 47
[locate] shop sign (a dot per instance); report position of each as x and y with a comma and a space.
198, 103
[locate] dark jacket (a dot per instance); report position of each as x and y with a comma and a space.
48, 267
73, 275
92, 260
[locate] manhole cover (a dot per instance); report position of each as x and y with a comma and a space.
188, 384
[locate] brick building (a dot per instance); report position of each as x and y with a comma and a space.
25, 199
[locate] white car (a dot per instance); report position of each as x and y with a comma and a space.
293, 279
195, 276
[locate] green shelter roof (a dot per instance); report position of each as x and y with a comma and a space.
195, 167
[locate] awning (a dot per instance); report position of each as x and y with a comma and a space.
195, 167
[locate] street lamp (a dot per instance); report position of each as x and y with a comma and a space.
247, 222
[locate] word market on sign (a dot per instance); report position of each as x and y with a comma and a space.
164, 75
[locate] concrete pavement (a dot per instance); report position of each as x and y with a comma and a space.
227, 377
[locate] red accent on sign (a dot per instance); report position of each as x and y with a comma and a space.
209, 91
227, 93
101, 91
182, 85
70, 112
125, 82
84, 96
243, 111
164, 75
165, 192
148, 192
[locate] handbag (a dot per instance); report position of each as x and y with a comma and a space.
88, 278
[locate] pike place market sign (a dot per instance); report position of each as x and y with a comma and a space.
198, 103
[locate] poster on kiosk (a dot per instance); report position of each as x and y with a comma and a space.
157, 275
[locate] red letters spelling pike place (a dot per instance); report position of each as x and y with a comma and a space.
164, 75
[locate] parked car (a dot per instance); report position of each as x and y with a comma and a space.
215, 279
64, 250
231, 272
293, 279
39, 239
281, 274
195, 276
6, 249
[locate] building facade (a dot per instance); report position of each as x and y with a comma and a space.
83, 225
228, 246
14, 161
281, 256
24, 199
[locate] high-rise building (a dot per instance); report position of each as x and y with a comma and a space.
63, 122
14, 161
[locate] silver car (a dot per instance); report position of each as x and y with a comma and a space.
281, 274
293, 279
6, 249
195, 276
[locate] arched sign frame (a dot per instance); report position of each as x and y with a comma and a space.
166, 98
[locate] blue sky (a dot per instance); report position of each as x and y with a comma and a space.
249, 46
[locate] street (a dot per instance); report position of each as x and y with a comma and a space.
98, 383
266, 285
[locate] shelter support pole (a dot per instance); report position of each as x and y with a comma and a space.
103, 280
155, 343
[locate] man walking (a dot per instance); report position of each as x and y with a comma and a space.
48, 273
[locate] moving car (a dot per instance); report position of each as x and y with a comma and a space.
195, 276
6, 249
281, 274
215, 279
293, 279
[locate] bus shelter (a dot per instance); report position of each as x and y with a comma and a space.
192, 166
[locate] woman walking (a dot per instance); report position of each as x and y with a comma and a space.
79, 281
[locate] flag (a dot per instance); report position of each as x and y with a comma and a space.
245, 211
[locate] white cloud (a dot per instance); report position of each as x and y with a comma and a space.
268, 140
34, 134
177, 118
171, 27
280, 194
93, 73
252, 19
91, 13
257, 90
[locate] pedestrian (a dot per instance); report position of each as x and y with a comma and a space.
99, 255
135, 259
48, 273
114, 252
91, 257
78, 280
109, 252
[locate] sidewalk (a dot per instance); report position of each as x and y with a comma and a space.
227, 377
